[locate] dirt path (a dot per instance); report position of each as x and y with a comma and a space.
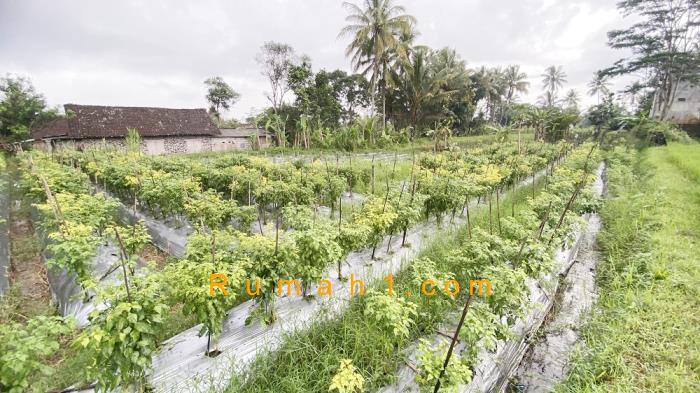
27, 272
29, 286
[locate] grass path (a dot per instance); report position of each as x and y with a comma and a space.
645, 333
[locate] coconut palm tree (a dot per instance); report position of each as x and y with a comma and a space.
553, 79
515, 83
421, 82
377, 28
571, 99
490, 86
547, 99
599, 85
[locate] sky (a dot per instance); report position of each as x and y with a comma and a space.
158, 53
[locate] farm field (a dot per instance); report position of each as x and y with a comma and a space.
86, 239
487, 212
128, 300
403, 151
362, 196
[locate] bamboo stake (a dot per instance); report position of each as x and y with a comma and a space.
372, 173
490, 214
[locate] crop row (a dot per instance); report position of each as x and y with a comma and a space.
367, 342
122, 336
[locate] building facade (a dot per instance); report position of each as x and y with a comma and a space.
684, 110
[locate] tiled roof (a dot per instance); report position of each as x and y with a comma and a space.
91, 121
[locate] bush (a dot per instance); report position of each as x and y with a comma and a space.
24, 350
647, 128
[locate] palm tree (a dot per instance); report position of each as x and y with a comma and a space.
599, 85
377, 29
553, 79
633, 90
489, 83
420, 82
515, 83
571, 99
547, 99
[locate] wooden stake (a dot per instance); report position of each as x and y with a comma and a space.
452, 344
123, 256
498, 210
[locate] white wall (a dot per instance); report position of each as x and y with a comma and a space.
157, 146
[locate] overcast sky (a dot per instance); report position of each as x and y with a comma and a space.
158, 53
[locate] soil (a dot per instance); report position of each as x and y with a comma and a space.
151, 253
27, 271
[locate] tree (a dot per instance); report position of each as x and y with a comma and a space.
664, 43
457, 103
420, 83
377, 30
515, 82
318, 96
274, 60
548, 99
553, 79
599, 85
353, 93
490, 87
220, 95
571, 99
21, 107
603, 115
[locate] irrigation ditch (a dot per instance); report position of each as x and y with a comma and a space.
547, 360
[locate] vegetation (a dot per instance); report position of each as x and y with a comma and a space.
643, 332
21, 108
452, 130
220, 96
374, 340
664, 45
25, 351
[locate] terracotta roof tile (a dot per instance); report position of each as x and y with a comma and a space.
91, 121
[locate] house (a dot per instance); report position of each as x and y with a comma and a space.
684, 110
162, 130
243, 136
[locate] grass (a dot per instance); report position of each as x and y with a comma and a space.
644, 335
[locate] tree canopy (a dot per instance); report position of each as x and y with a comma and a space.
220, 95
21, 107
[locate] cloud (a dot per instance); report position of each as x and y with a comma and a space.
158, 53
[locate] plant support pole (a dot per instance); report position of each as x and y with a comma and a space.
452, 344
